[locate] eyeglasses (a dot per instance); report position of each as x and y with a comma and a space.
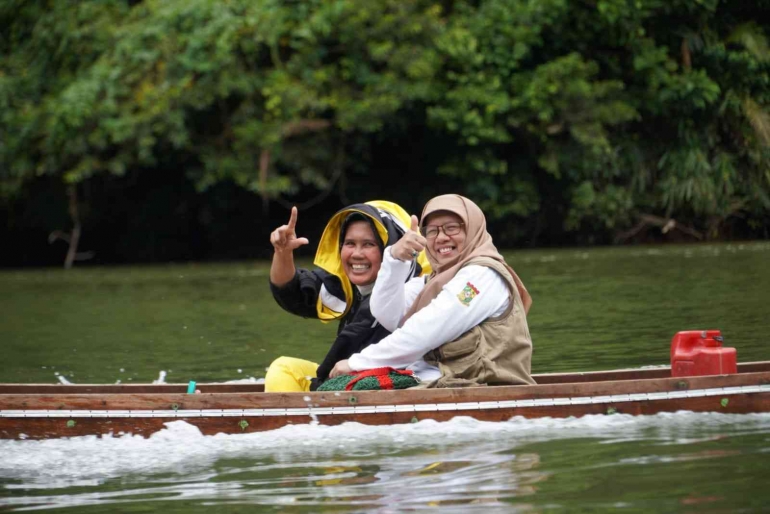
451, 229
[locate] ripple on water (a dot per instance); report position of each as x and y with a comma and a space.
450, 464
182, 447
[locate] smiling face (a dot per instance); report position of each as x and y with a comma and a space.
444, 248
360, 254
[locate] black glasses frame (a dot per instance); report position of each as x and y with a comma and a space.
429, 228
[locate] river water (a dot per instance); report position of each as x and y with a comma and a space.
594, 309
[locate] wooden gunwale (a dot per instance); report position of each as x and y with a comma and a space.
239, 400
541, 379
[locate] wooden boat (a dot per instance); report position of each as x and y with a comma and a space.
48, 411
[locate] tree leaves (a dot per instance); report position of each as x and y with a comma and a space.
617, 108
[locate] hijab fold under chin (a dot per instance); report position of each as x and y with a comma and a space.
478, 243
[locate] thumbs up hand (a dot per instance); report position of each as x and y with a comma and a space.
411, 244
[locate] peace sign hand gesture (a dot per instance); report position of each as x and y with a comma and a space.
284, 238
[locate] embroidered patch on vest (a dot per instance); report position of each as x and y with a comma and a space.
468, 293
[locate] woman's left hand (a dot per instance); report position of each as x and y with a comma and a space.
410, 245
341, 368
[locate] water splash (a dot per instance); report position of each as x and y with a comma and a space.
313, 416
62, 379
460, 463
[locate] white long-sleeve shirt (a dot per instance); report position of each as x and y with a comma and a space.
473, 295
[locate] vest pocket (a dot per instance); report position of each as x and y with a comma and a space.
461, 358
461, 347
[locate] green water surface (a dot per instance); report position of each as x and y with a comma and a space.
593, 309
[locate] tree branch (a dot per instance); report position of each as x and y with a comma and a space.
666, 225
72, 238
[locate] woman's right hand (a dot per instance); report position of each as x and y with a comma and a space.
410, 245
284, 238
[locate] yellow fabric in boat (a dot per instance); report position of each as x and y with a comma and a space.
289, 375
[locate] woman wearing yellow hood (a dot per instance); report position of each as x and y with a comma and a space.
348, 258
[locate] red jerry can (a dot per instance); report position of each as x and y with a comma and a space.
700, 352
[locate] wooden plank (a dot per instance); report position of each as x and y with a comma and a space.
632, 374
541, 379
42, 428
176, 401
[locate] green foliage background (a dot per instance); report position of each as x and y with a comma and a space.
568, 121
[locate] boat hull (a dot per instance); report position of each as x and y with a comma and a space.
50, 411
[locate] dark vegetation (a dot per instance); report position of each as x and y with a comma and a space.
165, 130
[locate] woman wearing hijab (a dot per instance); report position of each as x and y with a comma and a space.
467, 324
348, 258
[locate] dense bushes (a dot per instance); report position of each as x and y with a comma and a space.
569, 121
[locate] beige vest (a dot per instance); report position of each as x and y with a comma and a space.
496, 352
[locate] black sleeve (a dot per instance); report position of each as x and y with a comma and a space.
361, 332
300, 295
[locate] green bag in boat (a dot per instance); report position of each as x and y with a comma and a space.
371, 379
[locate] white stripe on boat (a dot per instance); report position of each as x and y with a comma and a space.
374, 409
